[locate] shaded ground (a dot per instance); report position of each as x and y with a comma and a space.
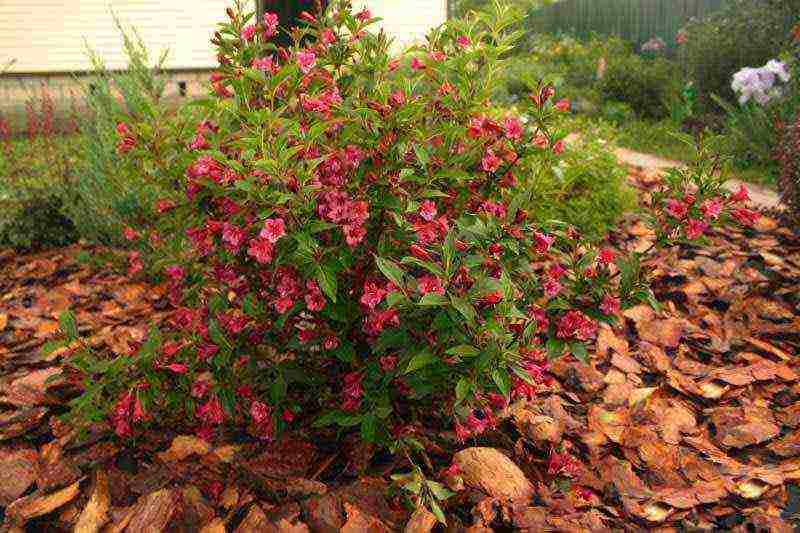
686, 418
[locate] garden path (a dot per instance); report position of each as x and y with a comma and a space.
651, 164
761, 196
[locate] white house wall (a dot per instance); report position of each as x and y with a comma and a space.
50, 35
46, 36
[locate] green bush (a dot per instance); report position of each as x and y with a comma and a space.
36, 223
646, 85
588, 189
743, 33
111, 194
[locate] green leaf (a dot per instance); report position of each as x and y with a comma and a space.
51, 346
555, 347
327, 282
439, 491
437, 511
465, 308
500, 378
391, 270
420, 360
68, 324
464, 350
369, 427
578, 349
463, 388
433, 299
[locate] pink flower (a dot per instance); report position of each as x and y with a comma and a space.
558, 147
260, 412
416, 64
576, 324
437, 56
364, 15
606, 256
261, 250
745, 217
695, 228
563, 105
540, 141
513, 128
283, 304
123, 130
543, 242
248, 32
178, 368
430, 284
741, 195
682, 37
373, 294
135, 264
126, 145
211, 412
490, 162
263, 63
130, 234
676, 208
610, 305
274, 229
711, 208
315, 301
199, 142
463, 41
306, 61
397, 98
328, 37
427, 210
551, 287
271, 22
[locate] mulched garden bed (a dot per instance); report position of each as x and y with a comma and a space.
685, 418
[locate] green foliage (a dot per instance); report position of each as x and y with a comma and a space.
110, 194
743, 33
363, 253
646, 85
36, 222
588, 189
570, 64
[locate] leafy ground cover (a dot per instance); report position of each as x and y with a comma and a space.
685, 416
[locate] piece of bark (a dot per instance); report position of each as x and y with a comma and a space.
422, 521
152, 512
17, 472
492, 472
95, 514
37, 504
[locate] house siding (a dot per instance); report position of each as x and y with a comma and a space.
407, 21
45, 36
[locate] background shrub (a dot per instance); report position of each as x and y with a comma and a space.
646, 85
36, 223
110, 193
588, 189
742, 33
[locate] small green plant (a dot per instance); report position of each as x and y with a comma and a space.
37, 223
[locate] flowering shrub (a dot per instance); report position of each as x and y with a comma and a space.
760, 84
360, 243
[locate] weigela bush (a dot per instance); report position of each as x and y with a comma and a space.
359, 248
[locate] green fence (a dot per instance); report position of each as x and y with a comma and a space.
634, 20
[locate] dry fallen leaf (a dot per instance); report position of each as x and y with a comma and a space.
183, 446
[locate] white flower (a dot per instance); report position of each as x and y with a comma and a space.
777, 68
